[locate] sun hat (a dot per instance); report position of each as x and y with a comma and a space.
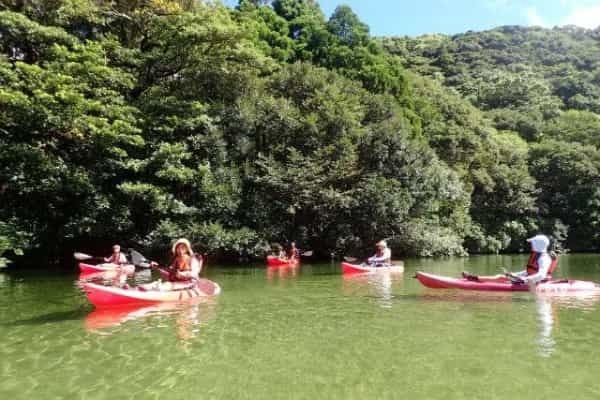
185, 242
539, 243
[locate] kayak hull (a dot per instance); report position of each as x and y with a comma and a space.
274, 261
109, 296
89, 268
351, 269
443, 282
562, 286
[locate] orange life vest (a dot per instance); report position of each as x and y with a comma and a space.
532, 265
183, 263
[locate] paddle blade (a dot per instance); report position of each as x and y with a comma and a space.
82, 256
138, 259
307, 253
351, 259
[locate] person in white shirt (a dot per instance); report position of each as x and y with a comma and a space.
382, 256
540, 265
116, 257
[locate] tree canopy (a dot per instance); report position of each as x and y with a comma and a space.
139, 122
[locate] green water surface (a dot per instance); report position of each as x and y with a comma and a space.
305, 333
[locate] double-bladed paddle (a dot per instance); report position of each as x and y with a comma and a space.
86, 257
139, 260
513, 278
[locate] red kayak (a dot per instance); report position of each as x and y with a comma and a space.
110, 296
349, 269
89, 268
559, 286
274, 261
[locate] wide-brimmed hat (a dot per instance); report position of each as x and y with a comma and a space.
184, 242
116, 247
381, 243
539, 243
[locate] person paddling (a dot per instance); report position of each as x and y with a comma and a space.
186, 265
281, 254
184, 269
116, 257
382, 256
294, 253
540, 265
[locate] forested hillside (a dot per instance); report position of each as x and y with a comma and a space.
542, 85
141, 121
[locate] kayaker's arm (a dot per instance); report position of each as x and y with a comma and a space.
384, 258
544, 262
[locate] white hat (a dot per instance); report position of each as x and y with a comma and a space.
381, 243
539, 243
186, 243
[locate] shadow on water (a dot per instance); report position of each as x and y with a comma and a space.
55, 317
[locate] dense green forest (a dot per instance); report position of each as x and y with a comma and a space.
141, 121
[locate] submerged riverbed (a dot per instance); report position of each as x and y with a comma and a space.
304, 333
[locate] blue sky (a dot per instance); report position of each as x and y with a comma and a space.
416, 17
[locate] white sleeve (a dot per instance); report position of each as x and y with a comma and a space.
122, 258
387, 255
543, 262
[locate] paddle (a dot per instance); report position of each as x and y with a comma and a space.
351, 259
85, 257
513, 278
139, 260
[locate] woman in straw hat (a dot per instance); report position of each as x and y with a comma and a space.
185, 265
184, 269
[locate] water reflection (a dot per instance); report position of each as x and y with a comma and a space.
547, 307
187, 317
282, 272
378, 285
546, 316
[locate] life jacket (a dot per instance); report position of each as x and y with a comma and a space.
532, 265
182, 263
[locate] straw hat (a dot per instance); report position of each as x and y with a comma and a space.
186, 243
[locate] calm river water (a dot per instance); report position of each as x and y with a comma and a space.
305, 333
